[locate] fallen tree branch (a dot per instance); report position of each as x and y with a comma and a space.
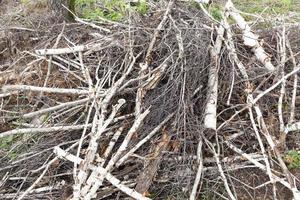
292, 127
250, 39
95, 185
145, 178
143, 141
44, 130
6, 88
199, 171
113, 180
67, 50
53, 108
210, 119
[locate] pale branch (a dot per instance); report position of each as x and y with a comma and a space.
67, 70
210, 115
67, 50
43, 130
111, 144
6, 88
82, 21
294, 190
263, 151
295, 84
33, 192
85, 72
136, 125
199, 171
156, 34
93, 147
72, 63
143, 141
282, 53
54, 108
292, 127
113, 180
285, 77
250, 39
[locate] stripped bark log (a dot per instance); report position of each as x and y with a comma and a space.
210, 119
145, 178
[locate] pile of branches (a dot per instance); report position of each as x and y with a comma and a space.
169, 105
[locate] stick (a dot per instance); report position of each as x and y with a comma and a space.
92, 149
51, 109
43, 130
145, 178
67, 50
199, 171
144, 140
293, 103
282, 50
6, 88
295, 70
296, 193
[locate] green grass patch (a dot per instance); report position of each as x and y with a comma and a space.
6, 144
25, 1
273, 6
114, 10
216, 12
292, 158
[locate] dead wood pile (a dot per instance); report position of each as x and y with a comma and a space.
169, 105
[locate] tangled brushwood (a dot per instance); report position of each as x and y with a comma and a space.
170, 105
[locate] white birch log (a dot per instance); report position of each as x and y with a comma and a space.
67, 50
44, 89
210, 119
292, 127
293, 103
250, 39
43, 130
